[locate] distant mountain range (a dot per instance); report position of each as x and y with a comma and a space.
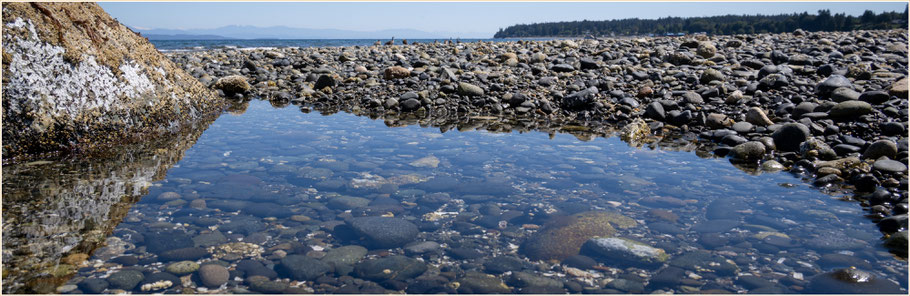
282, 32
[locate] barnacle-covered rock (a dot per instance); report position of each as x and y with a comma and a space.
75, 78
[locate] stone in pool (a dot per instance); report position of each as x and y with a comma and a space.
563, 236
851, 281
125, 279
503, 264
159, 242
390, 268
382, 232
624, 252
343, 258
478, 283
703, 260
301, 268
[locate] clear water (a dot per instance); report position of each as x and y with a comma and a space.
267, 176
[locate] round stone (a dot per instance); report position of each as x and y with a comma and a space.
891, 166
881, 148
213, 275
789, 136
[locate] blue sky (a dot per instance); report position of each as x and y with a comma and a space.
483, 18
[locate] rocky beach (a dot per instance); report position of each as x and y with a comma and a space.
829, 107
758, 163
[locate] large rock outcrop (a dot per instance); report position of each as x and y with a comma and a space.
76, 79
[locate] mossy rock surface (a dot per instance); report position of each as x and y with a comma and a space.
562, 237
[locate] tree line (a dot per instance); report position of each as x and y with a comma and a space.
715, 25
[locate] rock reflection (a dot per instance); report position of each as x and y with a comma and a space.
56, 213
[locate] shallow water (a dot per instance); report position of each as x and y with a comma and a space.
281, 181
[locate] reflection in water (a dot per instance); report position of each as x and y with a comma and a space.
57, 212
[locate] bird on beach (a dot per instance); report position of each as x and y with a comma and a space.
390, 42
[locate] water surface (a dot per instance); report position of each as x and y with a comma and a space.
283, 182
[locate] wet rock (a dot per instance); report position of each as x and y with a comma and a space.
628, 286
267, 210
718, 225
255, 268
209, 239
243, 224
749, 151
464, 253
581, 100
503, 264
526, 280
815, 148
234, 84
381, 232
324, 81
702, 260
897, 243
753, 283
302, 268
183, 254
564, 236
158, 281
158, 242
125, 279
478, 283
834, 241
656, 111
667, 277
790, 135
264, 285
182, 267
390, 268
93, 285
342, 259
417, 248
840, 261
213, 275
624, 251
851, 281
345, 202
893, 224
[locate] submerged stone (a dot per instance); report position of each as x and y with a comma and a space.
564, 236
624, 252
851, 281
